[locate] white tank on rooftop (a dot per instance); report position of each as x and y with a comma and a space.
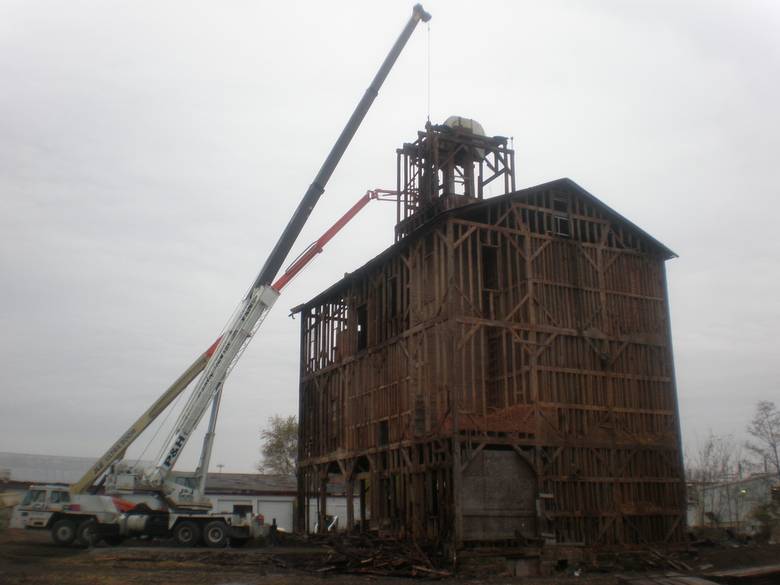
465, 124
469, 125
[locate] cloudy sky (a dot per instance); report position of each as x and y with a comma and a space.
151, 153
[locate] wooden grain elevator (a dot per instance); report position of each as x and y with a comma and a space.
503, 373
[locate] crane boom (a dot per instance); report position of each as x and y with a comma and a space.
261, 296
226, 351
117, 450
317, 188
317, 246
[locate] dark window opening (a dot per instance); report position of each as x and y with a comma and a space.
362, 327
490, 267
560, 205
561, 226
392, 297
384, 433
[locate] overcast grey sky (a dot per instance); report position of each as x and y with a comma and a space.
151, 153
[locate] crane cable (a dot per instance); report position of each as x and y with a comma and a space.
159, 428
429, 69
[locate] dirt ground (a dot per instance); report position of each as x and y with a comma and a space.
28, 557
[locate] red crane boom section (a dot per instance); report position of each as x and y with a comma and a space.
317, 246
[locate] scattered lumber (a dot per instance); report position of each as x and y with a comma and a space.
365, 554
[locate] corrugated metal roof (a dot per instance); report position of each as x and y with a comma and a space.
250, 482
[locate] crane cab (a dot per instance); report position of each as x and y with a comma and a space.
38, 505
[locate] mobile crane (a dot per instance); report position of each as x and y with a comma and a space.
152, 501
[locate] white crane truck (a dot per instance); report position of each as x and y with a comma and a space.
152, 501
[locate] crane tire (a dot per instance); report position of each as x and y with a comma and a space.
186, 533
63, 532
215, 535
87, 535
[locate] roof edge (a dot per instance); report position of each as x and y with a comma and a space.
566, 182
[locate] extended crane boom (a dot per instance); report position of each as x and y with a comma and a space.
316, 247
261, 296
317, 188
117, 450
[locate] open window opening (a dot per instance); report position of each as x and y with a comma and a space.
561, 222
384, 433
393, 295
362, 327
490, 267
561, 226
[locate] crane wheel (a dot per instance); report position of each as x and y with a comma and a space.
63, 532
215, 534
186, 534
87, 535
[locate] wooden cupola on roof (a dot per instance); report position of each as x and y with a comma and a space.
449, 165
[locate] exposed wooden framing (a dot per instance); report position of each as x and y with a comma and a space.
536, 324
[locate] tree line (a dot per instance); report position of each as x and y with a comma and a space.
722, 458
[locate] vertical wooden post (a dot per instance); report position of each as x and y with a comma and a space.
300, 503
323, 496
301, 516
362, 498
347, 472
455, 381
350, 504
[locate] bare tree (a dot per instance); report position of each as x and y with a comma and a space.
718, 461
765, 429
280, 445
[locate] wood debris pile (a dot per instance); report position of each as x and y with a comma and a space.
368, 555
